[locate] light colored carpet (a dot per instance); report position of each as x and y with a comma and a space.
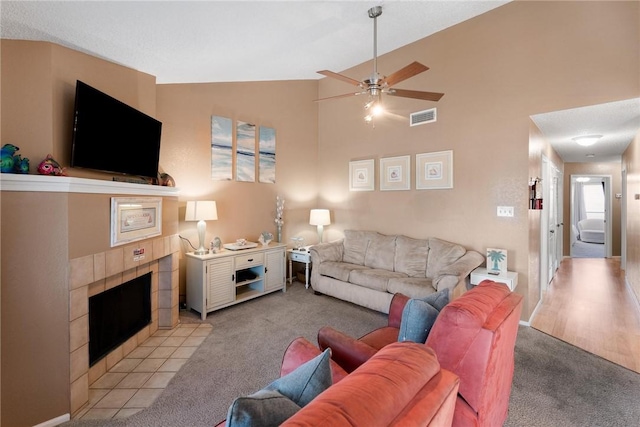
555, 384
587, 250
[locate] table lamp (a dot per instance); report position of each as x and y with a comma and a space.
201, 211
320, 217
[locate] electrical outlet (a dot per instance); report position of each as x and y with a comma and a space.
505, 211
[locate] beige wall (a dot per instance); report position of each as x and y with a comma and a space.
41, 232
244, 209
496, 70
608, 168
631, 163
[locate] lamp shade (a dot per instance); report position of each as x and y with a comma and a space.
319, 217
201, 210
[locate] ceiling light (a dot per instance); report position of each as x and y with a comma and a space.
590, 155
583, 179
587, 140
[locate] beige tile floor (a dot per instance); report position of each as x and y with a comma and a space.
136, 381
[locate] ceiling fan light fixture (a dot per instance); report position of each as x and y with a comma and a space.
586, 140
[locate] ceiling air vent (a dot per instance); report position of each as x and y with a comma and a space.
422, 117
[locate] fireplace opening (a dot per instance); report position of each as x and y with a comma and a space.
117, 314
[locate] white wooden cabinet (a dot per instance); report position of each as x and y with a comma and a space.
215, 281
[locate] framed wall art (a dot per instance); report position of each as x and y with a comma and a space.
245, 152
135, 219
394, 173
361, 175
221, 148
434, 170
267, 151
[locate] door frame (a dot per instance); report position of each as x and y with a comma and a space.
550, 234
608, 210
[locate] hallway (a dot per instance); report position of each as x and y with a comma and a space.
588, 305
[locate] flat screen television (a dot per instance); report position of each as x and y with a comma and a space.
111, 136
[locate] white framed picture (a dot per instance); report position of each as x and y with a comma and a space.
135, 219
497, 259
394, 173
434, 170
361, 175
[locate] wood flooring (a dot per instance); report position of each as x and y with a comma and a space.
587, 304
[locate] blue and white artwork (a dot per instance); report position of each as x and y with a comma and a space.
245, 152
267, 147
221, 149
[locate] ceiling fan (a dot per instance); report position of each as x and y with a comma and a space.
378, 84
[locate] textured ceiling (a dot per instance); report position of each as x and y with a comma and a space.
617, 122
224, 41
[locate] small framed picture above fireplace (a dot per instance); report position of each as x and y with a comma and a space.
135, 218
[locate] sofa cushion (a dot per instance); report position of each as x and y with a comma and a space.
442, 254
355, 245
411, 286
411, 256
381, 252
284, 397
373, 278
338, 270
418, 317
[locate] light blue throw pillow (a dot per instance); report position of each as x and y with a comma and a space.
284, 397
419, 315
438, 299
263, 408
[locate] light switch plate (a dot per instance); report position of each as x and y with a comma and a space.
505, 211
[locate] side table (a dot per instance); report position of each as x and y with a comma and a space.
300, 255
509, 278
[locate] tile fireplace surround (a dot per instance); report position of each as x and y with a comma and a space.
93, 274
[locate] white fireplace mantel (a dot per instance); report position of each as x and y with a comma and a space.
66, 184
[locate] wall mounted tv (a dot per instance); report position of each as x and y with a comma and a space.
111, 136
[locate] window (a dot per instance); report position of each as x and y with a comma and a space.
594, 200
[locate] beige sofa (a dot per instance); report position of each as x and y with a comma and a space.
367, 268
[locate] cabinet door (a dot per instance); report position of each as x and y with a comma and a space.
220, 284
274, 269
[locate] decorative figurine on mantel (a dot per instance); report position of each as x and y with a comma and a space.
265, 238
50, 167
279, 221
10, 162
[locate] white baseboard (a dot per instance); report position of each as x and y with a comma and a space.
55, 421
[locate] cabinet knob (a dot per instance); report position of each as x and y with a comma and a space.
250, 260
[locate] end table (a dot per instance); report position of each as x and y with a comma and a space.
300, 255
509, 278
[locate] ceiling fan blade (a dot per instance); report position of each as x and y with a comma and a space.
416, 94
340, 96
404, 73
340, 77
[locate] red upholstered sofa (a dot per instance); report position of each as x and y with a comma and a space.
474, 337
402, 385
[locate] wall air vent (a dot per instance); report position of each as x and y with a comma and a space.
422, 117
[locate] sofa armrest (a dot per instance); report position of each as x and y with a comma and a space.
331, 251
459, 269
301, 351
396, 308
346, 351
